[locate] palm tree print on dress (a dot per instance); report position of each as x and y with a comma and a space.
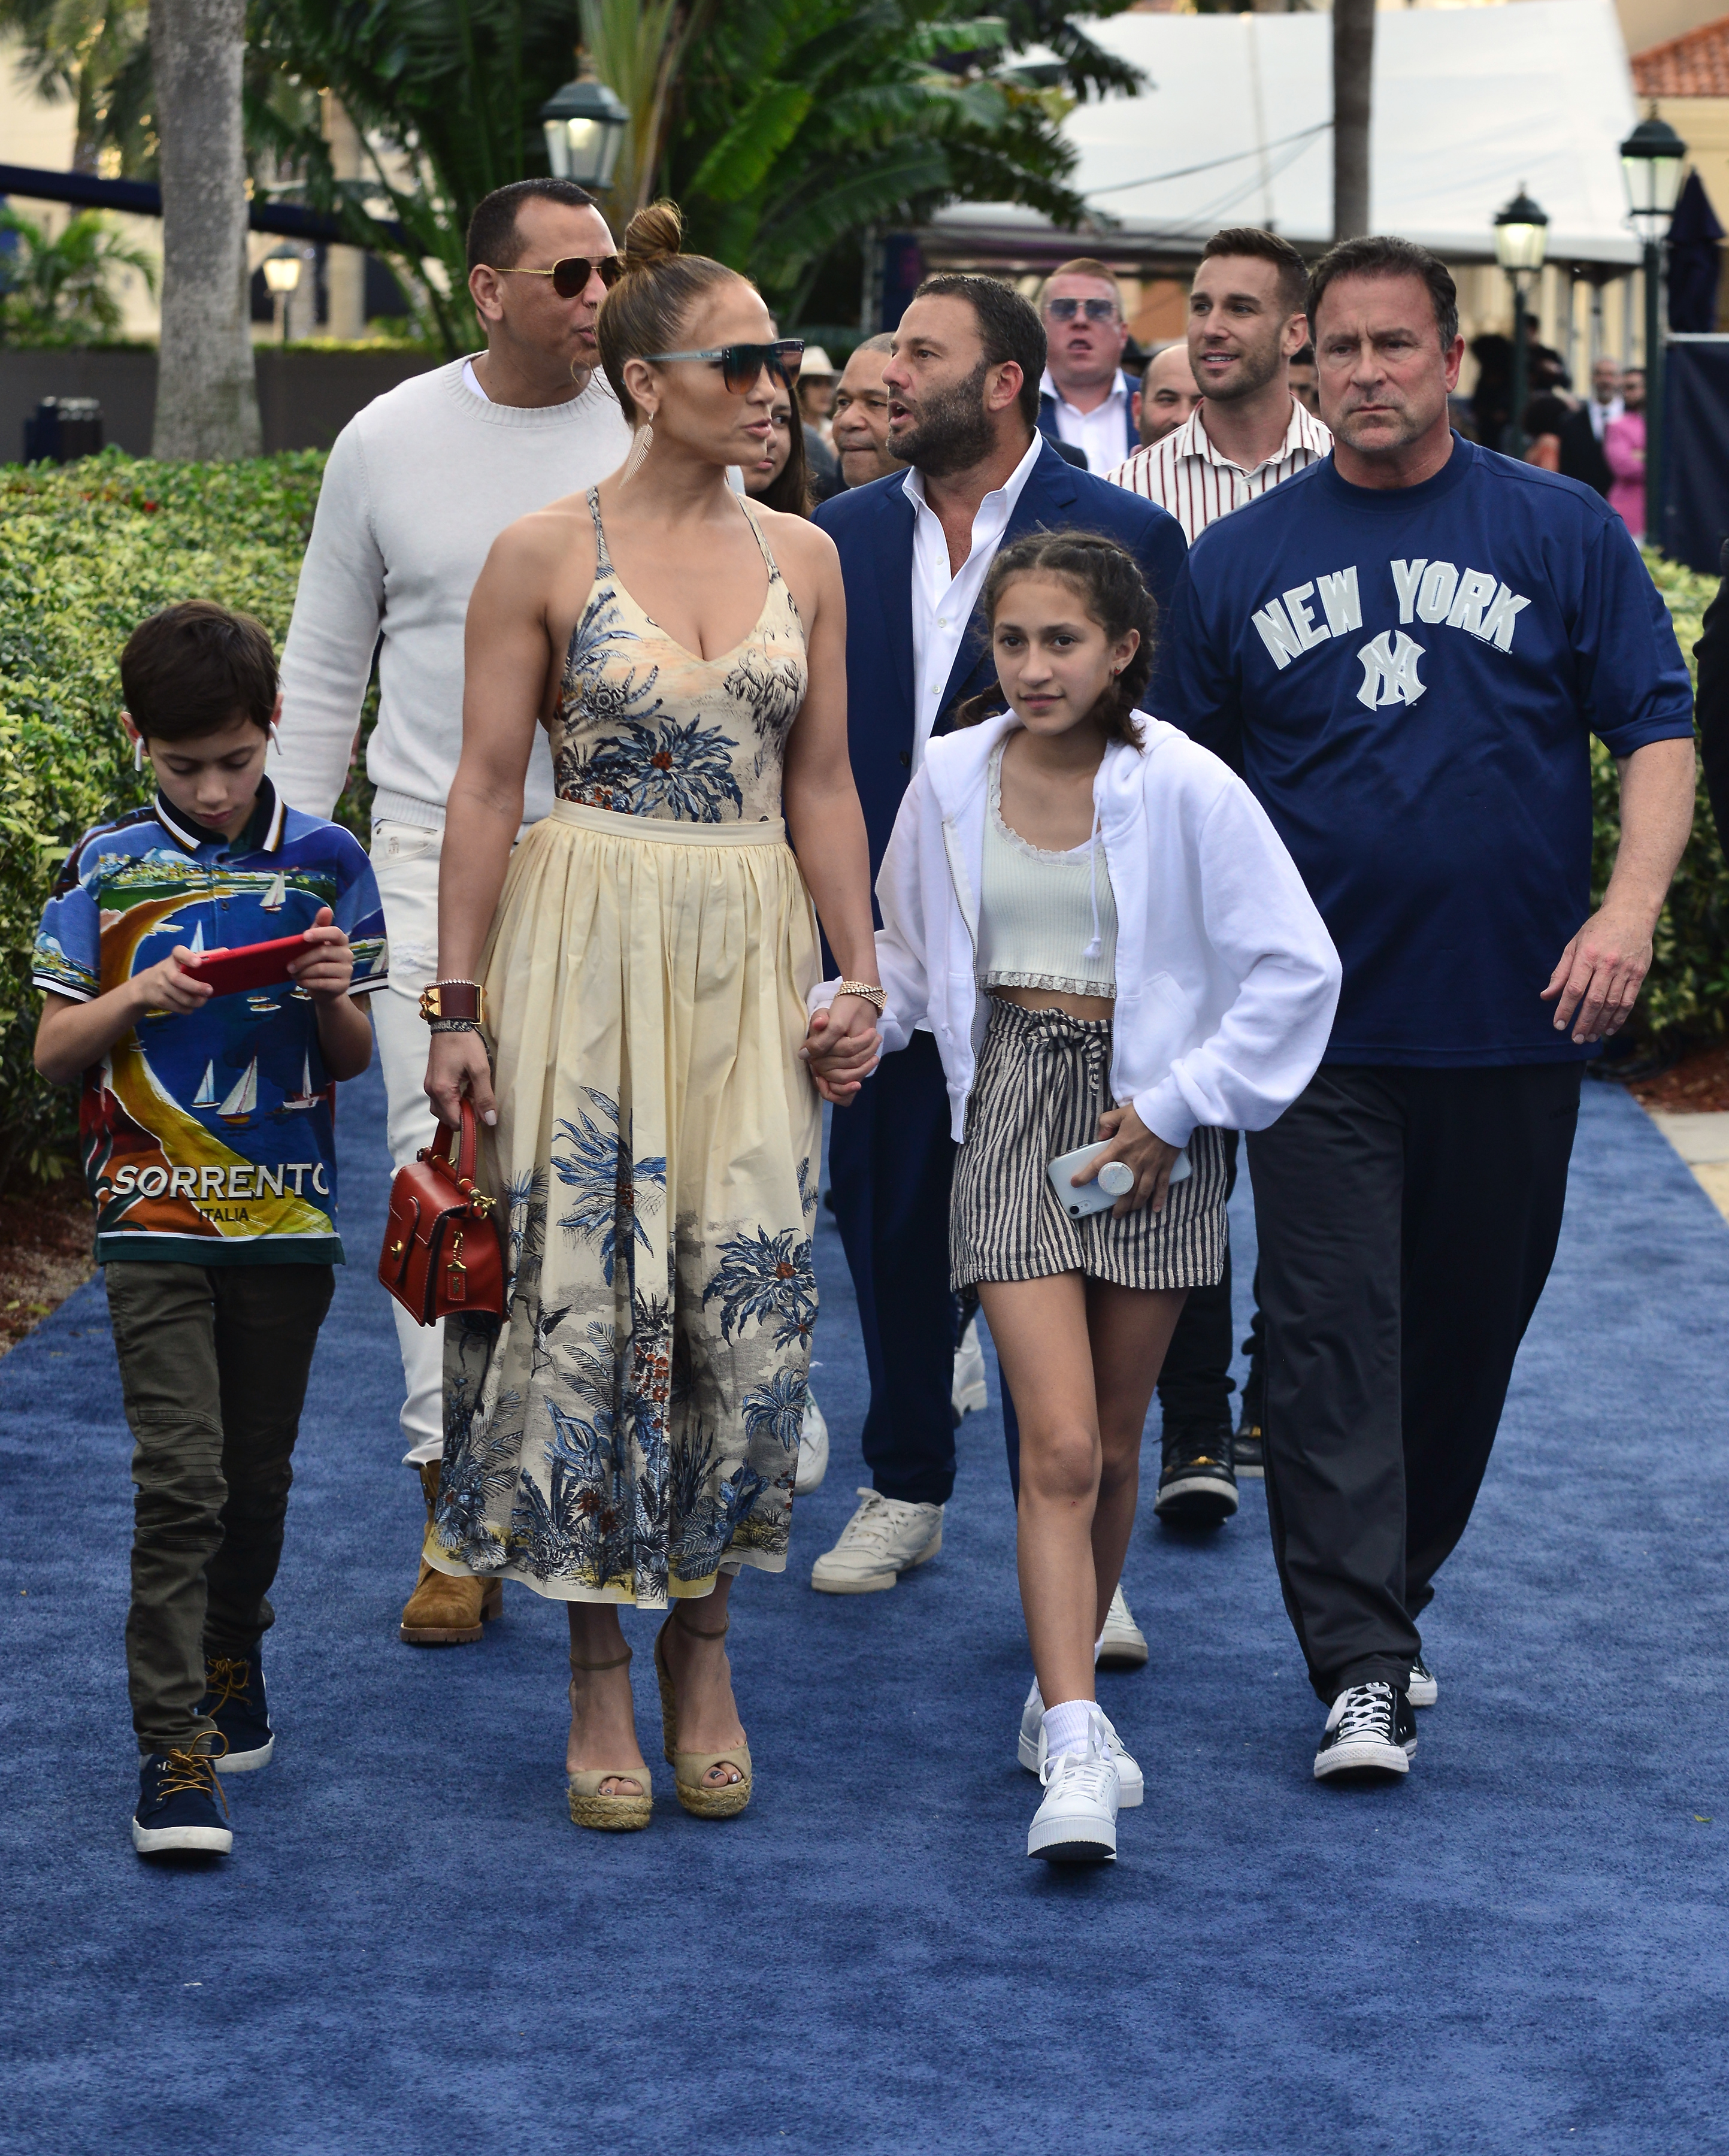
681, 771
607, 1183
772, 688
765, 1276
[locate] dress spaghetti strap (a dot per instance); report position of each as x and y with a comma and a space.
762, 538
603, 560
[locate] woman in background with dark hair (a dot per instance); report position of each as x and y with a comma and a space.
628, 1434
1117, 959
780, 477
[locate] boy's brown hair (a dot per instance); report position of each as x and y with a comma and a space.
195, 668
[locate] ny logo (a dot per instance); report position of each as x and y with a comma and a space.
1389, 669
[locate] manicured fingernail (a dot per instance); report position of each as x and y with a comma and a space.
490, 1116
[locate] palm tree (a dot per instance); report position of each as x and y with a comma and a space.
61, 291
206, 396
96, 53
1353, 70
637, 46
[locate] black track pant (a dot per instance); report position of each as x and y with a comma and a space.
1408, 1220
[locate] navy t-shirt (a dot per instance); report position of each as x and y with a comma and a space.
1408, 680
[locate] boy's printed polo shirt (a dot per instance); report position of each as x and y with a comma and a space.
209, 1138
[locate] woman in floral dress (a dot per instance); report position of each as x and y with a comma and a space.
629, 1433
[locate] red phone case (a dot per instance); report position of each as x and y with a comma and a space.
251, 966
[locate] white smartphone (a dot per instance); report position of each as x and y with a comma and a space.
1079, 1199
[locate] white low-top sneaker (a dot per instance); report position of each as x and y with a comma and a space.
1123, 1644
812, 1448
969, 1395
1026, 1749
884, 1537
1077, 1824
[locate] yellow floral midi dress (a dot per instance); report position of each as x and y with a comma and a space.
631, 1429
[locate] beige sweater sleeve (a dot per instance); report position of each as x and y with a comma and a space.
327, 661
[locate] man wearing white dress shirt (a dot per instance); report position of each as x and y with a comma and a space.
1246, 323
1084, 398
417, 488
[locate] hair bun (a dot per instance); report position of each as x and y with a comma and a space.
654, 235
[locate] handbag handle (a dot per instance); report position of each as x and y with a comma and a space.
461, 1168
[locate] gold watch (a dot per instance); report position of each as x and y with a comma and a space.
876, 997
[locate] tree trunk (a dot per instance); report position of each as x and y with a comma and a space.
1353, 67
206, 394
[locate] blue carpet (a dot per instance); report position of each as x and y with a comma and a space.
1522, 1946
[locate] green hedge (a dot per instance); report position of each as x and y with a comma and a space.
86, 552
1686, 993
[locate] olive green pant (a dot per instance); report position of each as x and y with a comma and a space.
213, 1363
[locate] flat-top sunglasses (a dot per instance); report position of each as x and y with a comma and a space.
570, 277
741, 365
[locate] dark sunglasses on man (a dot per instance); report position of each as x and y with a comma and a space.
570, 277
741, 365
1096, 310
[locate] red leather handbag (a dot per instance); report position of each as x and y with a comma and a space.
443, 1253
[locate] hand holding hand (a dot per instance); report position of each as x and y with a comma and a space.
1127, 1139
842, 1047
328, 966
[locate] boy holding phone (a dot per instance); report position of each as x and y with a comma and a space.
206, 1125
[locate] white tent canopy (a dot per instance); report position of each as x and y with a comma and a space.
1469, 104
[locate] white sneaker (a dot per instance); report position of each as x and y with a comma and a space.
812, 1448
1123, 1644
969, 1395
1077, 1824
1132, 1785
884, 1537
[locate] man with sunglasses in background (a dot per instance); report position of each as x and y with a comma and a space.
1084, 398
418, 487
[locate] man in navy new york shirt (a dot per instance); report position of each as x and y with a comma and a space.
1406, 650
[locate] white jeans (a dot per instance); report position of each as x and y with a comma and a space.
405, 860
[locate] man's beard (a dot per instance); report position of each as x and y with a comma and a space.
953, 431
1258, 368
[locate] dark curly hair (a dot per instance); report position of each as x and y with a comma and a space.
1108, 580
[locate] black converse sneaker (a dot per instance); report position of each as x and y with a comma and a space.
1423, 1690
1370, 1729
1197, 1487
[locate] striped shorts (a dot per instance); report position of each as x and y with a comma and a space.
1044, 1080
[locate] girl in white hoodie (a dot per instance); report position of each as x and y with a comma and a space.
1110, 944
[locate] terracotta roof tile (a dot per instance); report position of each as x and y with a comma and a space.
1693, 65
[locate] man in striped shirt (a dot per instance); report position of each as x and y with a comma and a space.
1246, 323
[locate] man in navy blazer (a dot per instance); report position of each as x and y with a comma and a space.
963, 388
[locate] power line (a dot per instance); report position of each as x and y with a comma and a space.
1213, 164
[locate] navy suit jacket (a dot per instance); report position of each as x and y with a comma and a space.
1048, 416
872, 525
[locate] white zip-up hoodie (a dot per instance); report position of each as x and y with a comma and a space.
1226, 977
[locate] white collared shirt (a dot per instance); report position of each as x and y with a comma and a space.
1101, 432
1601, 414
942, 603
1185, 474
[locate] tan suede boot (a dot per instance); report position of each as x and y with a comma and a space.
446, 1610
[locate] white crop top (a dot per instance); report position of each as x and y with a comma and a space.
1045, 920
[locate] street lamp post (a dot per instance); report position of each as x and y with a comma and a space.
1651, 161
585, 125
282, 274
1522, 235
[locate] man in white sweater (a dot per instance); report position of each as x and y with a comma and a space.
418, 487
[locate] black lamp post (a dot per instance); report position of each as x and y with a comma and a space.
1522, 235
1651, 161
585, 125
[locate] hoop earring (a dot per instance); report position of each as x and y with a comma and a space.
639, 450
